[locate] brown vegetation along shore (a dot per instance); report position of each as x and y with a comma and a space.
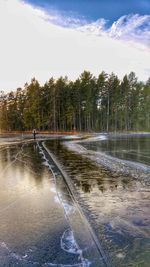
12, 133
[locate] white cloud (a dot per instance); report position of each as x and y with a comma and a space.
131, 28
66, 20
95, 28
31, 45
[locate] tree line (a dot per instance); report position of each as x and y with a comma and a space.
103, 103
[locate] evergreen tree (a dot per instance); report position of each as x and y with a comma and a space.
87, 104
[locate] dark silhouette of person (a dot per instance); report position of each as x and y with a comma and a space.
34, 133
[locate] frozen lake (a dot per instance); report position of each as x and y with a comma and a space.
116, 205
40, 224
44, 222
128, 147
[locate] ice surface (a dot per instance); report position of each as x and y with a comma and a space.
72, 137
68, 242
97, 138
37, 221
68, 208
135, 169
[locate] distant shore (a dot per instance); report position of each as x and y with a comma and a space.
9, 133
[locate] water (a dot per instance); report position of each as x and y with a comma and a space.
134, 147
40, 224
117, 206
31, 221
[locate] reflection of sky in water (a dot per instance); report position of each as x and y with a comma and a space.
31, 221
117, 207
40, 224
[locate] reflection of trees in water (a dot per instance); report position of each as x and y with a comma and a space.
85, 174
33, 160
86, 187
106, 200
23, 158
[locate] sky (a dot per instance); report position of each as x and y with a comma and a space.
94, 9
45, 38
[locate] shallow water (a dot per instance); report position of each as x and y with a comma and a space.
117, 206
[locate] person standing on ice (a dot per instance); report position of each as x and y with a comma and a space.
34, 133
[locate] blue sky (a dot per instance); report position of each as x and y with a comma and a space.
92, 10
41, 38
